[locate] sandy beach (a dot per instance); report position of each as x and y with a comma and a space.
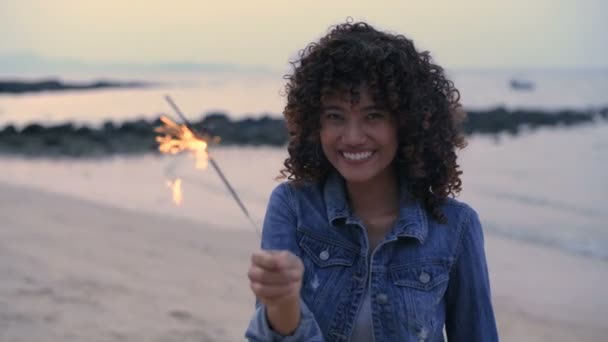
94, 251
73, 270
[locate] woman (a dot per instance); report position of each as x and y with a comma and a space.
364, 242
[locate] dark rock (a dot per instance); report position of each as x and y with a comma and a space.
8, 130
33, 129
137, 136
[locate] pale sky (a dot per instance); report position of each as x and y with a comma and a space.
459, 33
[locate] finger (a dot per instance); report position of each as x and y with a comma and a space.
264, 259
273, 292
285, 259
274, 277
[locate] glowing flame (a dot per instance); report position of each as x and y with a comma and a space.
176, 189
174, 139
178, 138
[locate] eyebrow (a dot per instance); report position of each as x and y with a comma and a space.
336, 107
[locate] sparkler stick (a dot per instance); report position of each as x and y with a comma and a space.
215, 165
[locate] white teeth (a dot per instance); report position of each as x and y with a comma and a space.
357, 156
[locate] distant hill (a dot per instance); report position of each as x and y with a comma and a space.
20, 87
17, 63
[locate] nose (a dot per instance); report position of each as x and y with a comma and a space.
354, 134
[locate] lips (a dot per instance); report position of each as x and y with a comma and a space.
357, 156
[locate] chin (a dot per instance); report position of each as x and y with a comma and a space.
357, 176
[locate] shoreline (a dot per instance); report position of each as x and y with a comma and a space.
80, 270
501, 178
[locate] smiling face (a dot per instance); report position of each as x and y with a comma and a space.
359, 139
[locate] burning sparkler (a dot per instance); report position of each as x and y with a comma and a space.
176, 138
176, 189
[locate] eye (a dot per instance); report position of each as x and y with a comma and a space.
332, 116
375, 115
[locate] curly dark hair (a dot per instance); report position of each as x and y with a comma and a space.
401, 79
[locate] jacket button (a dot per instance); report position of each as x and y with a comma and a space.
324, 255
382, 298
424, 277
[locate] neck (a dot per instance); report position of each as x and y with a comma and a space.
377, 197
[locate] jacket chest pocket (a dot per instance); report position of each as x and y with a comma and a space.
327, 265
420, 287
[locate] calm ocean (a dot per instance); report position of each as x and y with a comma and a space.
548, 187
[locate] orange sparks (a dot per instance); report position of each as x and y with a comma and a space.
174, 139
178, 138
176, 189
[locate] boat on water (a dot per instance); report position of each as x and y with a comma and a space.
523, 85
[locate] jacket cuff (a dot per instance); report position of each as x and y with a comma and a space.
259, 330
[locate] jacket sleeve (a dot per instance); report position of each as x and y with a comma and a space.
279, 233
469, 313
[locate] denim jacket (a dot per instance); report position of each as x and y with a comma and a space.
423, 276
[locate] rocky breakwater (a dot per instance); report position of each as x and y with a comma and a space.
132, 137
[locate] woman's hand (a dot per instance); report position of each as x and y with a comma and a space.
276, 279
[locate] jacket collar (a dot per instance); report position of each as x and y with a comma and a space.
412, 220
